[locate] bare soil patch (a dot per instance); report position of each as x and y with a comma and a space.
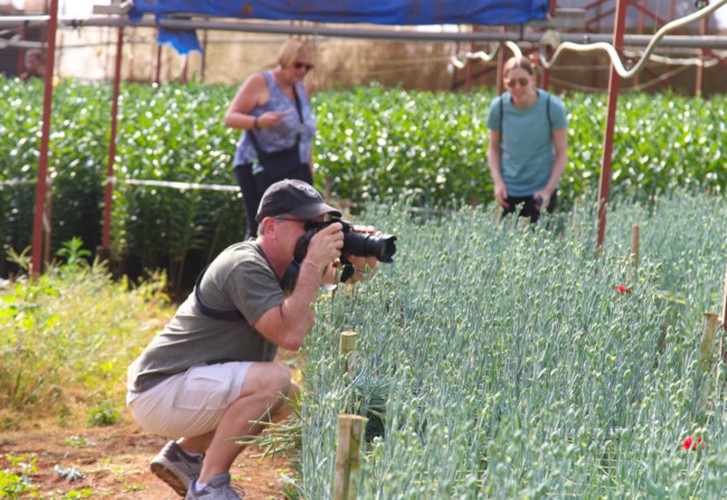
114, 462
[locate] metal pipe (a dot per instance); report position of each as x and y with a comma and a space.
41, 185
694, 41
106, 237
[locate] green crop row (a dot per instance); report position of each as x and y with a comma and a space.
373, 144
502, 361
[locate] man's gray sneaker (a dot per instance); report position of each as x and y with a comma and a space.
173, 466
217, 488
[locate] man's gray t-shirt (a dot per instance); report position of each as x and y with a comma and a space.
239, 278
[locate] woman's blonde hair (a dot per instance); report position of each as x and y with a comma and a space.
291, 50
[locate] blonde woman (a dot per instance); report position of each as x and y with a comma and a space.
273, 110
528, 145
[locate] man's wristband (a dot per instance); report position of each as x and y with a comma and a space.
254, 123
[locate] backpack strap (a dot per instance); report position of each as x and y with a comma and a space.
547, 112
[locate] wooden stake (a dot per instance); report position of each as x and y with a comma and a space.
724, 304
635, 245
723, 318
347, 348
706, 358
574, 219
348, 451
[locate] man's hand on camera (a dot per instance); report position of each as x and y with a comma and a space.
325, 246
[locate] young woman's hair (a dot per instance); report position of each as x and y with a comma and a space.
291, 50
518, 62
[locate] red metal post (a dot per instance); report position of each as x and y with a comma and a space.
552, 7
41, 184
640, 31
106, 237
468, 71
157, 78
699, 80
500, 64
613, 88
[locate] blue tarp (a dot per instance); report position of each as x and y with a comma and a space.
387, 12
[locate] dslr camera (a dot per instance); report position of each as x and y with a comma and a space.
355, 243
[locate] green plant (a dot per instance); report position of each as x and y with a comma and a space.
104, 414
74, 253
373, 144
15, 481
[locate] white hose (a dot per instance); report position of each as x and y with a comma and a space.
552, 39
456, 61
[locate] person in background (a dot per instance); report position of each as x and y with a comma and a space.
210, 375
528, 145
273, 110
34, 65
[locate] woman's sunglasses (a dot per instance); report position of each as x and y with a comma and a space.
301, 65
514, 81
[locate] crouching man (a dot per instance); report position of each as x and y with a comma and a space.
210, 374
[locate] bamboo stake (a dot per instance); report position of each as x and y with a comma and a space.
724, 304
347, 348
348, 449
635, 245
706, 358
723, 318
574, 219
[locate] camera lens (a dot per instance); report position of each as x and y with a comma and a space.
366, 245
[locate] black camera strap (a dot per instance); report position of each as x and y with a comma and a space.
222, 314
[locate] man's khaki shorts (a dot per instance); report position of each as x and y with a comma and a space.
190, 403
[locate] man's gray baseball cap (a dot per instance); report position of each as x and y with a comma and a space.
294, 197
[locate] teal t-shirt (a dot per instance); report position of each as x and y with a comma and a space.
527, 141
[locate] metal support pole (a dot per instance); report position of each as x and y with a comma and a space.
469, 71
41, 185
106, 238
699, 79
613, 88
157, 77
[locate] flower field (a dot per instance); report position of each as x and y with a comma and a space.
505, 362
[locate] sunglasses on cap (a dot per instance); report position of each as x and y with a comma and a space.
301, 65
511, 82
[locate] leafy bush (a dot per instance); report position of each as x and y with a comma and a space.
69, 336
373, 144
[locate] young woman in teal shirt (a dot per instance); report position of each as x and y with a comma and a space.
528, 145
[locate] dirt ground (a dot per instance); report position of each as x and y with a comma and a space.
114, 462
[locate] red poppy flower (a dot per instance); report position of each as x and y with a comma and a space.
689, 443
623, 289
